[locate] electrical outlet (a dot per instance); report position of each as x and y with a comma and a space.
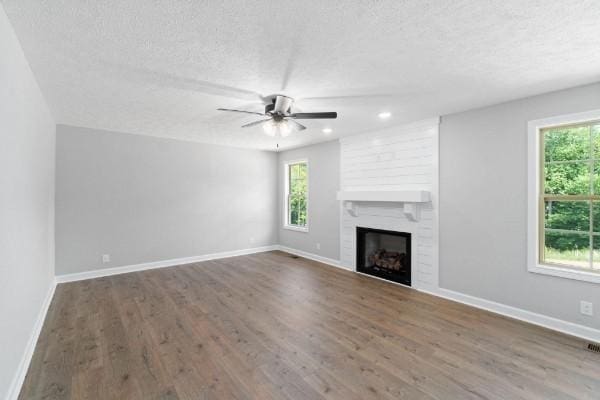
318, 246
251, 240
105, 258
586, 308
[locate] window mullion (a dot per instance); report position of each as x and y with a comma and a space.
591, 210
591, 235
289, 195
541, 202
569, 197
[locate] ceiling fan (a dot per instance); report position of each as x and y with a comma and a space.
281, 121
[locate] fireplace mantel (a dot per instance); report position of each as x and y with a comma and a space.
410, 200
397, 196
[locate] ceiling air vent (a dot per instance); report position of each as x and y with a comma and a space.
594, 347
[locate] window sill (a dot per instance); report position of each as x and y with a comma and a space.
567, 273
296, 228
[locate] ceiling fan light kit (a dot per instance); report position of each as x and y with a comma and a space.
281, 121
277, 129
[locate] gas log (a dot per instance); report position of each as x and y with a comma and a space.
391, 260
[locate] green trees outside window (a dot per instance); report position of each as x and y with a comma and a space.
297, 194
570, 199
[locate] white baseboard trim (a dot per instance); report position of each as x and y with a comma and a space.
314, 257
545, 321
21, 372
98, 273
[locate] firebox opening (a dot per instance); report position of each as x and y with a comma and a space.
385, 254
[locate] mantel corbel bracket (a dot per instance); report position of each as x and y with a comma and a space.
412, 211
351, 208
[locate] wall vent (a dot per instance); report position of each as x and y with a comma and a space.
594, 347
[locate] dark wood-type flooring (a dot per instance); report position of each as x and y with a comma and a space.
271, 326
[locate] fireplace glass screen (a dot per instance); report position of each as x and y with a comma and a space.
385, 254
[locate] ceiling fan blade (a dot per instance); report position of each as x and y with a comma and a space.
239, 111
349, 97
295, 125
165, 79
256, 123
314, 115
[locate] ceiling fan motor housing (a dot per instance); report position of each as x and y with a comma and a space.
270, 107
280, 105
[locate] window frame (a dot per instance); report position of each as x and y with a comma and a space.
536, 198
286, 195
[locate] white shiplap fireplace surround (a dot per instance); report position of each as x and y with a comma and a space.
389, 180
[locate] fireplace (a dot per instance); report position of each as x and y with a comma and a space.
385, 254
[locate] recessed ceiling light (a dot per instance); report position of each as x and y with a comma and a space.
327, 130
384, 115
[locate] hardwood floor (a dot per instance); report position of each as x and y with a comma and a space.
270, 326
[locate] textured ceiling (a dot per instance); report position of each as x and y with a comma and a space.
162, 67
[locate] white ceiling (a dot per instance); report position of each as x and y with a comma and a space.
161, 68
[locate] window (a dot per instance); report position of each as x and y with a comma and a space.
567, 199
296, 195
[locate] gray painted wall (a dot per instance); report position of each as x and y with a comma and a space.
324, 209
483, 207
143, 199
26, 204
